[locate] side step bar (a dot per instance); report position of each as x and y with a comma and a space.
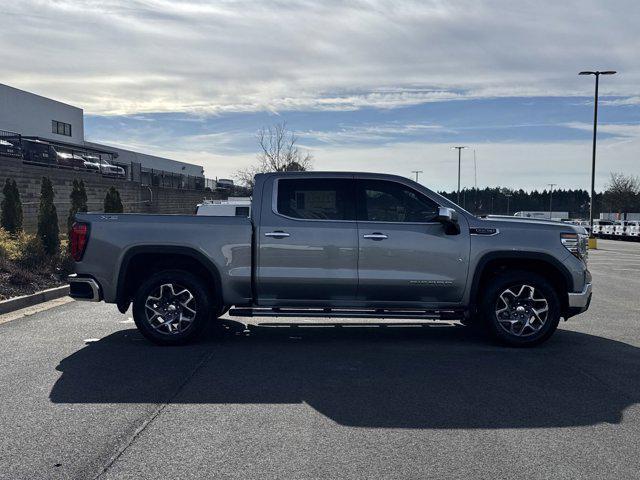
347, 313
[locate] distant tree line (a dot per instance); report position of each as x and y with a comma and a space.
622, 195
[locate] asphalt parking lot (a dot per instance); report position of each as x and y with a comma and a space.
83, 395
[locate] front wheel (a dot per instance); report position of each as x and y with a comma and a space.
171, 307
520, 308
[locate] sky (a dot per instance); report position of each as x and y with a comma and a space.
373, 85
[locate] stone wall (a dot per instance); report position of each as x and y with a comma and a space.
135, 198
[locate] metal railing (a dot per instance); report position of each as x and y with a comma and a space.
37, 151
159, 178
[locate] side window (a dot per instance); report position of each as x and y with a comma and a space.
316, 199
385, 201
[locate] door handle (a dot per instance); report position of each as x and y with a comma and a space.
375, 236
277, 234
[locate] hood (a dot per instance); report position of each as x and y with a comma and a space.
505, 221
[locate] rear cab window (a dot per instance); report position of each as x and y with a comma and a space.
316, 198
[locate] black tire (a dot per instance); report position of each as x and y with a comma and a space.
505, 331
173, 329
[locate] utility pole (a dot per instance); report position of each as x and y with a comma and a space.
417, 172
475, 181
459, 162
475, 170
593, 153
551, 198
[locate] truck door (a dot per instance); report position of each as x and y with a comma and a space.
405, 256
308, 242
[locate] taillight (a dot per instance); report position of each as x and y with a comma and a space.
79, 238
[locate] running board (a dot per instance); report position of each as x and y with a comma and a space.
347, 313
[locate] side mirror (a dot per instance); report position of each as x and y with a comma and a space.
449, 218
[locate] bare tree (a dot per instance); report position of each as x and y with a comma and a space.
623, 193
279, 152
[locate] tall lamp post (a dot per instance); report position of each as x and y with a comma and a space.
417, 172
551, 185
459, 158
508, 195
595, 129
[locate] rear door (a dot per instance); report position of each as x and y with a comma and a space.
405, 256
308, 241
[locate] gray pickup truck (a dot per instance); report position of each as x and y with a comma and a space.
337, 245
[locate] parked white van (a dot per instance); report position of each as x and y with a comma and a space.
599, 226
633, 230
620, 230
232, 207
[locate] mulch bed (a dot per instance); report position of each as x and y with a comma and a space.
16, 281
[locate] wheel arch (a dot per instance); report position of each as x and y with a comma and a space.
159, 257
542, 263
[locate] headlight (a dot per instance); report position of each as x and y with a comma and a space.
576, 243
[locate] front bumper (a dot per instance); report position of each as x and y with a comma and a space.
579, 302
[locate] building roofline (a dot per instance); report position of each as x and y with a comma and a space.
42, 96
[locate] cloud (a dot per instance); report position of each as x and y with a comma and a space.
134, 56
367, 133
617, 102
514, 164
615, 129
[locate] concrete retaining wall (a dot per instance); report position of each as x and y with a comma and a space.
135, 199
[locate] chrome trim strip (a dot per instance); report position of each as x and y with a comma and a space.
497, 231
580, 299
375, 236
277, 234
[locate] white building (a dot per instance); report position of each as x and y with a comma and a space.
32, 115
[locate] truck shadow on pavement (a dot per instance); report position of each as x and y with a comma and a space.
424, 377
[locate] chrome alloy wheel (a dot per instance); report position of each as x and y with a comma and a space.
521, 310
170, 309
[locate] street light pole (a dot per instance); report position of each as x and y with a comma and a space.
459, 162
551, 198
593, 152
417, 172
508, 195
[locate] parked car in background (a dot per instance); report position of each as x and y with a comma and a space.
337, 245
92, 162
599, 225
71, 160
8, 149
626, 229
38, 151
608, 230
633, 230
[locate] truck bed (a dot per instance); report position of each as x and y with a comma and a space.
115, 239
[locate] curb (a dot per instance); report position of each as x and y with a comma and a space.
7, 306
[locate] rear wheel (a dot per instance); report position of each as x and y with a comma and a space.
172, 307
520, 308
